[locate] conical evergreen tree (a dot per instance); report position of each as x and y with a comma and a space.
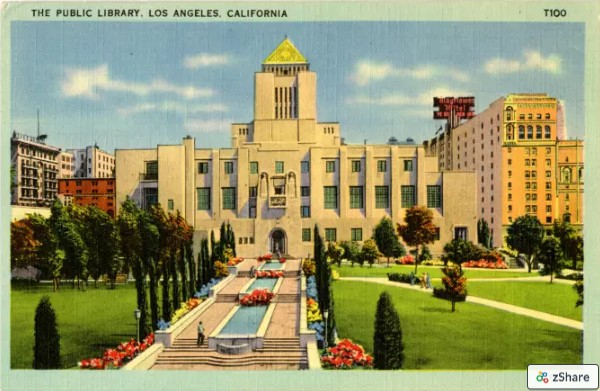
388, 350
46, 348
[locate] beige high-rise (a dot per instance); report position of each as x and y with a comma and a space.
286, 172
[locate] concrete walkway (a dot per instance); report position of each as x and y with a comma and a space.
478, 300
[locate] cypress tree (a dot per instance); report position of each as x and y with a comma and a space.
46, 348
189, 256
388, 350
231, 239
213, 247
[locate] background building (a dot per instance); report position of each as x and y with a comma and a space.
99, 192
286, 172
35, 168
66, 165
92, 162
522, 165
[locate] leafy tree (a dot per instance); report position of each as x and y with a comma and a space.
335, 252
483, 233
454, 283
460, 251
150, 254
369, 252
525, 235
571, 243
46, 348
551, 256
387, 240
418, 229
351, 251
50, 257
425, 254
388, 349
23, 245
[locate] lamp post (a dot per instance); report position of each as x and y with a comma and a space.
138, 314
325, 315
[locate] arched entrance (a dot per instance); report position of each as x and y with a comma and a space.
278, 242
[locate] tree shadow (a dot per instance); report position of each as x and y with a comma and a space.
440, 310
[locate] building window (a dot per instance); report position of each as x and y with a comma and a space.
356, 197
548, 185
253, 167
548, 208
355, 165
408, 165
228, 194
330, 166
305, 167
460, 233
381, 166
382, 197
330, 234
510, 208
529, 132
253, 191
509, 162
150, 197
509, 174
279, 167
305, 191
407, 196
521, 132
170, 204
527, 162
330, 197
203, 196
151, 170
356, 234
306, 234
548, 174
305, 211
533, 174
434, 196
547, 132
202, 167
538, 132
548, 151
548, 162
228, 167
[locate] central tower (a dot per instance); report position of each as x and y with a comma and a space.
285, 95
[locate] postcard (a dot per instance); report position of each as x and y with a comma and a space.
299, 195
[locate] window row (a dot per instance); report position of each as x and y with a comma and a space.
330, 166
356, 234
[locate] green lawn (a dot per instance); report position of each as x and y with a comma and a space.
474, 337
434, 271
555, 299
88, 322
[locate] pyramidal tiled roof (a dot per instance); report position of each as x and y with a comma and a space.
285, 53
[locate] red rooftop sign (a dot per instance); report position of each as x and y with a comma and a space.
461, 107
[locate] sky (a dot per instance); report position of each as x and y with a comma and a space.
136, 85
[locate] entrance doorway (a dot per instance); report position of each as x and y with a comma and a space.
278, 241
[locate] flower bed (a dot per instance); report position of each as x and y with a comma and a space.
313, 311
183, 309
433, 262
116, 358
406, 260
221, 269
309, 267
257, 297
235, 261
483, 264
346, 355
265, 257
268, 273
205, 290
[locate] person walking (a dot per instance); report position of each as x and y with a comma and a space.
200, 334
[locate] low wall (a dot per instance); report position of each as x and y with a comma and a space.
18, 212
145, 360
306, 335
314, 358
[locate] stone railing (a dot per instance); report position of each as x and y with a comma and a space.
145, 360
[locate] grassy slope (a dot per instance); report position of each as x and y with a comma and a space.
88, 322
555, 299
474, 337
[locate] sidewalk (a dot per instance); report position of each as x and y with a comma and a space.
478, 300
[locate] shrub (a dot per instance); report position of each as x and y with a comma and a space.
257, 297
440, 293
46, 348
221, 269
399, 277
388, 349
309, 267
346, 355
454, 284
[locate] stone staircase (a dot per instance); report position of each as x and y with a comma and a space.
279, 353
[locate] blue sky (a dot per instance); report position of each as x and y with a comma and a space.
135, 85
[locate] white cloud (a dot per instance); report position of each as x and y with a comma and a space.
173, 106
531, 61
423, 99
366, 72
208, 126
89, 83
203, 60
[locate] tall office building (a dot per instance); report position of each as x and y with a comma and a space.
93, 162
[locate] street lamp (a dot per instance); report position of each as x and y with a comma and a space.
138, 314
325, 315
